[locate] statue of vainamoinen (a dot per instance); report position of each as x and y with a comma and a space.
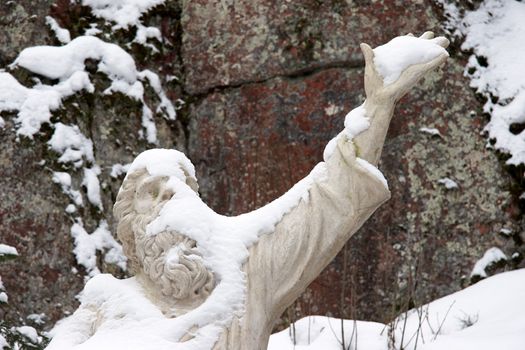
206, 281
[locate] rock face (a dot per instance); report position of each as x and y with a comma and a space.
266, 84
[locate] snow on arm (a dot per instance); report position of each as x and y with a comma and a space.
356, 122
392, 58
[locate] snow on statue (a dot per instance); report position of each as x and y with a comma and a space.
207, 281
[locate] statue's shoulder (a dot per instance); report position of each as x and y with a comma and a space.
113, 296
105, 286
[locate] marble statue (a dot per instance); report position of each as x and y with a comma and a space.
205, 281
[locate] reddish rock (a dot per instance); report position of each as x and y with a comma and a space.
229, 43
253, 143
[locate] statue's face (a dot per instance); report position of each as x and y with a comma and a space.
169, 259
150, 192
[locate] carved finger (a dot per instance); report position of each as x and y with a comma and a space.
427, 35
368, 53
441, 41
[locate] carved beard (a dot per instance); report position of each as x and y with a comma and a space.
184, 276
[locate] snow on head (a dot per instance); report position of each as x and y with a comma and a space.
392, 58
164, 162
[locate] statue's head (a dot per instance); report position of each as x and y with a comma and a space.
171, 261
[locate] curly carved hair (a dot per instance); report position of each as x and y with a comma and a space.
139, 201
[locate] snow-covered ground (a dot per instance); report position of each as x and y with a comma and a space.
486, 316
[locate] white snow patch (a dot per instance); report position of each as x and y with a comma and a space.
67, 63
87, 245
332, 109
3, 342
70, 209
124, 13
60, 62
506, 231
92, 185
4, 298
431, 131
356, 122
64, 180
71, 144
37, 318
2, 123
495, 32
92, 30
35, 105
7, 250
119, 169
164, 162
448, 183
61, 34
392, 58
165, 105
491, 256
30, 333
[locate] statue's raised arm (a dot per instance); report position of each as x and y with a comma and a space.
347, 187
206, 281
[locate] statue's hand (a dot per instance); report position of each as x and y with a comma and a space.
394, 68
